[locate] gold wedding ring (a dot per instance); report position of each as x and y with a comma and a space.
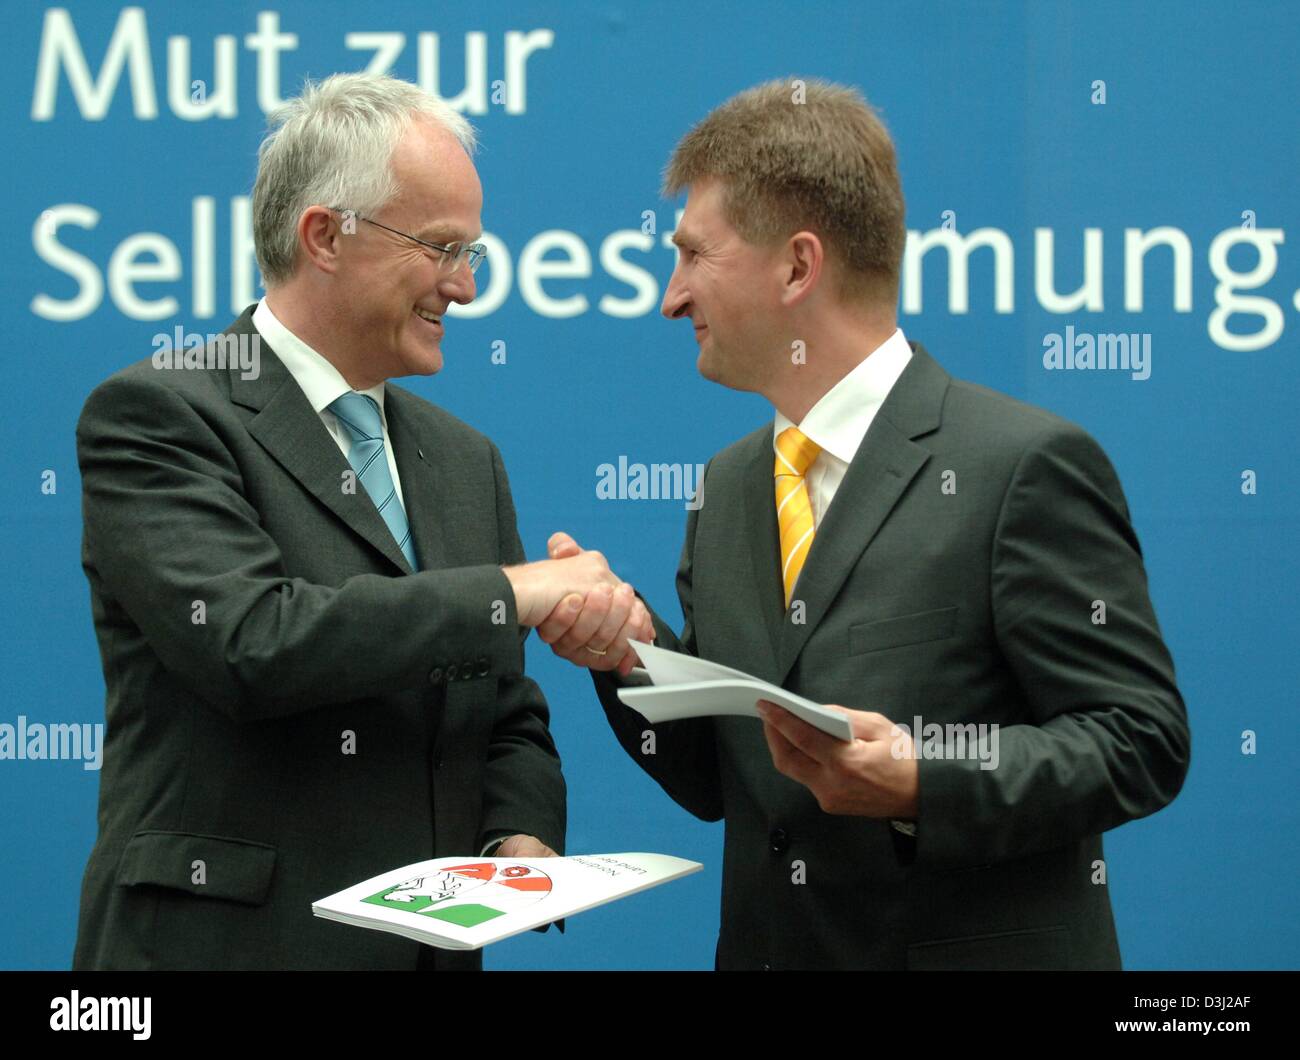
595, 652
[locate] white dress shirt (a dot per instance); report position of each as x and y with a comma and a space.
322, 383
839, 422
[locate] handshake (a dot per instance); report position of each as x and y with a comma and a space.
580, 607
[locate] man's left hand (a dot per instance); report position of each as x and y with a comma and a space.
863, 777
524, 846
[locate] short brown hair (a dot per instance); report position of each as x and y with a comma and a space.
796, 154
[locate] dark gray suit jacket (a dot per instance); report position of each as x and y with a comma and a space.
966, 606
290, 709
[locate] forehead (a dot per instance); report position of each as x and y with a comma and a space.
704, 216
439, 185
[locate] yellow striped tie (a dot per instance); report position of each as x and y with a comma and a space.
795, 455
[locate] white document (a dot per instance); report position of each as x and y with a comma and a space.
467, 902
687, 687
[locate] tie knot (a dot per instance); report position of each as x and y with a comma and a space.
795, 452
359, 414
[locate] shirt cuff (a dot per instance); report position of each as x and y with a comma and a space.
490, 847
906, 827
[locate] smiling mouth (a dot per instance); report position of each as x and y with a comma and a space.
428, 318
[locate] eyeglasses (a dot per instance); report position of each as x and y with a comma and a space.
451, 254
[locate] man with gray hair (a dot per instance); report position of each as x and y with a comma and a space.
307, 585
943, 559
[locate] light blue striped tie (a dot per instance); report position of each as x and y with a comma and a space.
359, 415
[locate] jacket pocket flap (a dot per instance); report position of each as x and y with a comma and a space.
903, 629
206, 865
1038, 949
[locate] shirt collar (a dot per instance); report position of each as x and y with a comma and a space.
320, 381
839, 421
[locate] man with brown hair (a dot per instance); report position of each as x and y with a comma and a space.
930, 553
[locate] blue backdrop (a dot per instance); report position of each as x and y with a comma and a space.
1040, 137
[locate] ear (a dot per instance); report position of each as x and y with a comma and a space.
802, 264
320, 233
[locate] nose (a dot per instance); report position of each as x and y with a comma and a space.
458, 285
677, 300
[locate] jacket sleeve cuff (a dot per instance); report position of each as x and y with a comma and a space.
489, 643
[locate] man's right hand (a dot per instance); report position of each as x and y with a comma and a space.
594, 632
539, 587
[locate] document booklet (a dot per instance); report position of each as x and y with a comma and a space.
464, 903
687, 687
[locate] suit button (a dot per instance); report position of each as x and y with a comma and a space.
484, 667
467, 671
779, 840
436, 676
766, 967
437, 760
451, 673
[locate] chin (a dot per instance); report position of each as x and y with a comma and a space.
426, 362
709, 368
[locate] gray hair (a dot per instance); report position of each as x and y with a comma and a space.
333, 146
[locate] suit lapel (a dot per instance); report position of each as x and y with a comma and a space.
764, 544
883, 468
422, 489
292, 432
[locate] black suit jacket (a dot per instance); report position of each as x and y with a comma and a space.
971, 604
289, 708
